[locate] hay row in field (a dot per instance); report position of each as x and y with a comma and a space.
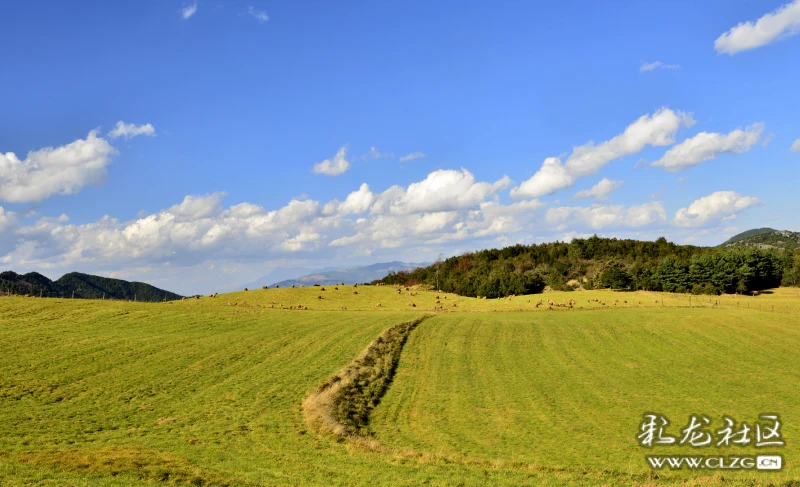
341, 405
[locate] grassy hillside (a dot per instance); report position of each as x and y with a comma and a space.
200, 392
78, 285
778, 239
516, 388
784, 300
748, 233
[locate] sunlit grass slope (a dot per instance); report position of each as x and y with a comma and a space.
368, 297
568, 390
200, 392
154, 391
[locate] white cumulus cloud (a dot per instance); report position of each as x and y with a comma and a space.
259, 15
705, 146
50, 171
713, 209
374, 153
129, 130
412, 156
334, 166
657, 65
606, 216
189, 10
796, 146
599, 191
445, 189
656, 130
356, 203
783, 22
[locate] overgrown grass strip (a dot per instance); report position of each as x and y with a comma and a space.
342, 404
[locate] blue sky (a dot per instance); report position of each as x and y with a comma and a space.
223, 110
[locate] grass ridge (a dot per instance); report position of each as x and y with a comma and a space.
341, 405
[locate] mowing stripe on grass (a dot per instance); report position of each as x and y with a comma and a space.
341, 405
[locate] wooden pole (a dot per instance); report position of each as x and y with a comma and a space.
73, 294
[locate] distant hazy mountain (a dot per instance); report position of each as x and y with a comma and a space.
81, 286
765, 238
330, 276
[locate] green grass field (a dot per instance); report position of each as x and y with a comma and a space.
548, 391
200, 392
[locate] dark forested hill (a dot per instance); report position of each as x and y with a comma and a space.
608, 263
81, 286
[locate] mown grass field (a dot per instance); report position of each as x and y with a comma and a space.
568, 391
205, 393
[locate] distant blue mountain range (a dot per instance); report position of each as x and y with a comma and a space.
328, 276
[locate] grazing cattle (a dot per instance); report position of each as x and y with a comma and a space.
412, 305
355, 292
319, 297
378, 305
